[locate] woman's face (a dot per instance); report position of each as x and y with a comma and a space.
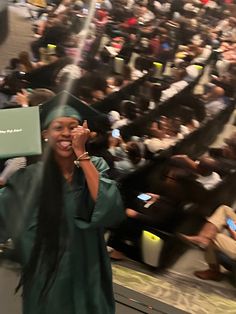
59, 136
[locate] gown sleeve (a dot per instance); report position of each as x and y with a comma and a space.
10, 206
4, 214
108, 210
14, 197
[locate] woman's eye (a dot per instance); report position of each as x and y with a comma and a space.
72, 127
57, 128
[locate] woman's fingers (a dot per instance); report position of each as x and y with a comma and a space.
81, 127
80, 130
80, 135
85, 124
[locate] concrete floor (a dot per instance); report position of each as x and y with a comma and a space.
20, 35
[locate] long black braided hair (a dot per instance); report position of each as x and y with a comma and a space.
49, 245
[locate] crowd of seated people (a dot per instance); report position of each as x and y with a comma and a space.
214, 101
208, 171
158, 209
167, 131
162, 132
55, 33
59, 30
128, 113
159, 135
221, 160
225, 66
124, 39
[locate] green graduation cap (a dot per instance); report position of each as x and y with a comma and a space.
65, 104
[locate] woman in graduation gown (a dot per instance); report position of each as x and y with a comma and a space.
56, 211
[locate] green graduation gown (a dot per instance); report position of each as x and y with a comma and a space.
83, 284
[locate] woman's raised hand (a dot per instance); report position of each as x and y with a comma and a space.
80, 136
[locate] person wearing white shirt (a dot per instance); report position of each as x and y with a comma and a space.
179, 84
215, 102
209, 181
174, 89
228, 29
156, 144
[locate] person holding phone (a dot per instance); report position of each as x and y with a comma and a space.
212, 238
154, 210
148, 209
133, 159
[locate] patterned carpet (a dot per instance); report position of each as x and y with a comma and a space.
193, 297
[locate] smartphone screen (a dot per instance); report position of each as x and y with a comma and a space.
231, 224
115, 133
144, 197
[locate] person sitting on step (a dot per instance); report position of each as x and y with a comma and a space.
212, 238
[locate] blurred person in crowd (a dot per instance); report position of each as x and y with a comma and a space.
98, 95
223, 159
165, 50
144, 14
226, 81
127, 74
116, 146
25, 64
11, 85
210, 168
13, 66
133, 161
160, 136
227, 58
143, 104
214, 101
156, 212
227, 29
179, 84
55, 33
63, 7
137, 71
128, 47
129, 112
115, 83
34, 97
201, 169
